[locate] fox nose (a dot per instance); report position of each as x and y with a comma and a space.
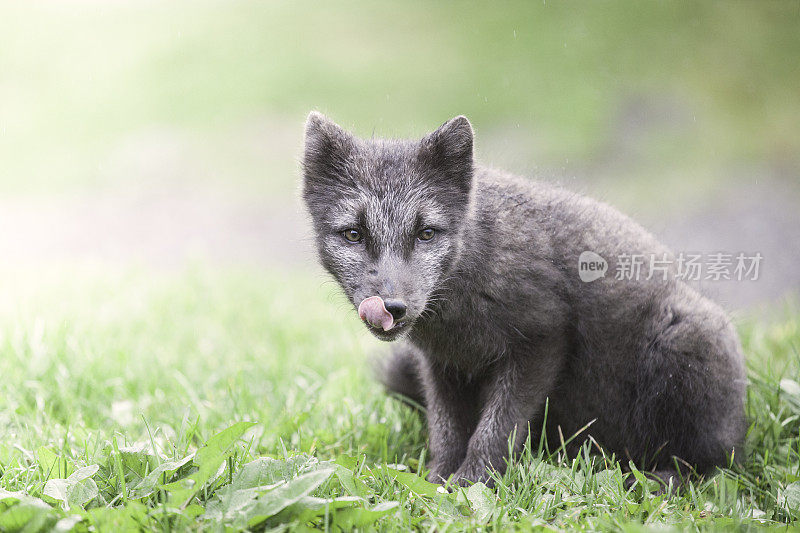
396, 308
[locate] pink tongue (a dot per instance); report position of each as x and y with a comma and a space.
373, 311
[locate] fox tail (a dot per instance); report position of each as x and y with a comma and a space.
400, 374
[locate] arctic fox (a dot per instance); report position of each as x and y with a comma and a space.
477, 271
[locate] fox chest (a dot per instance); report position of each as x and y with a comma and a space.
469, 342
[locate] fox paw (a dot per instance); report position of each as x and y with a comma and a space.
470, 474
439, 473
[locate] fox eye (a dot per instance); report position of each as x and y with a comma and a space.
425, 234
352, 235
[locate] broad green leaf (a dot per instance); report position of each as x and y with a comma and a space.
267, 471
234, 503
347, 461
482, 501
52, 465
230, 504
193, 511
208, 460
76, 490
219, 445
71, 494
415, 483
150, 483
308, 508
131, 518
83, 473
20, 512
445, 505
355, 517
789, 498
277, 499
350, 482
555, 478
138, 460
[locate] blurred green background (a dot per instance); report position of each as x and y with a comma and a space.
160, 131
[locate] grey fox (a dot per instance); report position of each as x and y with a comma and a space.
476, 272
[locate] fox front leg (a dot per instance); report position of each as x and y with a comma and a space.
451, 402
516, 392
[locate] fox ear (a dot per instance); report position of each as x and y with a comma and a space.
449, 150
326, 147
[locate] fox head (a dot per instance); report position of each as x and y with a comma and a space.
388, 215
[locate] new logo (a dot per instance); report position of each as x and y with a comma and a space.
591, 266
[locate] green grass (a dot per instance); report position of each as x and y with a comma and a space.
205, 398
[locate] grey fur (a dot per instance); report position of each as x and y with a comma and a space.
498, 319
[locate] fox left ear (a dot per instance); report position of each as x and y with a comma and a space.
326, 147
449, 150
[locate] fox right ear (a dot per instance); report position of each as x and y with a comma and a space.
326, 147
449, 149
